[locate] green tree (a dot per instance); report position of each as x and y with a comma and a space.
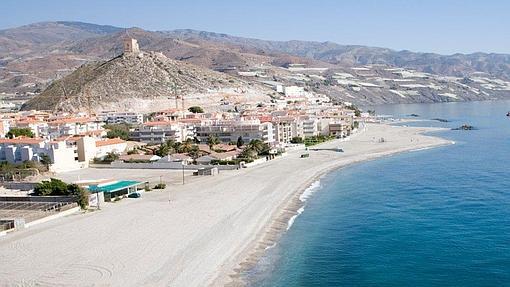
110, 157
196, 109
194, 152
259, 146
240, 141
56, 187
212, 141
249, 153
255, 148
81, 195
117, 131
16, 132
187, 145
163, 150
297, 140
45, 160
52, 187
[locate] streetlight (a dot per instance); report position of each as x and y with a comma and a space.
182, 173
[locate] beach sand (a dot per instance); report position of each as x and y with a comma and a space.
209, 231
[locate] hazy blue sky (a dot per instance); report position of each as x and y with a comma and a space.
426, 26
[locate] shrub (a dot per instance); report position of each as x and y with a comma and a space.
160, 186
16, 132
296, 140
117, 131
56, 187
196, 109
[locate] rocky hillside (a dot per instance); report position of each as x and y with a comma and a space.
144, 82
458, 65
33, 56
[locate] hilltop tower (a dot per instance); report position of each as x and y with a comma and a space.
131, 46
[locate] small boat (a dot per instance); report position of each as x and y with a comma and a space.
508, 114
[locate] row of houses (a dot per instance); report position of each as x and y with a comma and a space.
64, 154
72, 141
270, 129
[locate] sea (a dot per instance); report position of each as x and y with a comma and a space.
436, 217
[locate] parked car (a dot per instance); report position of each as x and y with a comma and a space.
134, 195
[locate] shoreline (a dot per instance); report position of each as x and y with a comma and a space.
211, 231
279, 224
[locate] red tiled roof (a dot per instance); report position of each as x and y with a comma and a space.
70, 121
159, 123
21, 140
193, 120
107, 142
28, 121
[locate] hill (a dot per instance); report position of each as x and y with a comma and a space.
33, 56
142, 82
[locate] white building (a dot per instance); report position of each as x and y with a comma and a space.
61, 154
73, 126
294, 91
288, 127
106, 146
112, 117
162, 131
230, 130
39, 128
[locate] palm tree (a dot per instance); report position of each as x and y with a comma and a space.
194, 152
258, 146
211, 141
187, 145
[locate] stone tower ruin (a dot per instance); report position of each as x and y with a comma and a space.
131, 46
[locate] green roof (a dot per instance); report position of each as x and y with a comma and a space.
123, 184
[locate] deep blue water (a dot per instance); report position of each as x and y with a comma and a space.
438, 217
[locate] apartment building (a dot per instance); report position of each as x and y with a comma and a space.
73, 126
230, 130
60, 153
288, 127
112, 117
162, 131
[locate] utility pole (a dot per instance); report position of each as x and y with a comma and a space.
97, 198
182, 173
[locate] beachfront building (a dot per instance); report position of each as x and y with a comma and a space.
112, 117
230, 130
61, 154
288, 127
106, 146
311, 127
340, 128
161, 131
20, 149
89, 148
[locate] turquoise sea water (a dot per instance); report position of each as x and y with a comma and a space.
438, 217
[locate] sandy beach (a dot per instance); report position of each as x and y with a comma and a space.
211, 229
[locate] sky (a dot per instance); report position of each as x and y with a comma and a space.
445, 27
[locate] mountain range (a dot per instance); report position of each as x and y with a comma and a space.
33, 56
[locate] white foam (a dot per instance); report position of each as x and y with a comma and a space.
316, 185
272, 245
293, 218
310, 190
